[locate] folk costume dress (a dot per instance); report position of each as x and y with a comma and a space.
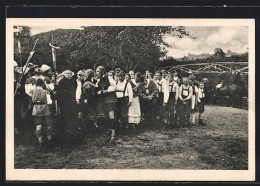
89, 96
134, 111
66, 93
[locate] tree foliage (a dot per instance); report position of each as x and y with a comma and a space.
132, 47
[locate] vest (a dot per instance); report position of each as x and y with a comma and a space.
172, 93
39, 99
185, 91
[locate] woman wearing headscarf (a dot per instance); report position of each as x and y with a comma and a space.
66, 97
89, 97
107, 101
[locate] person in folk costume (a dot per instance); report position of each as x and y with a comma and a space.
46, 70
146, 74
149, 98
134, 111
80, 81
184, 101
89, 96
18, 99
176, 77
124, 94
66, 94
207, 89
41, 113
194, 98
107, 101
163, 97
128, 77
132, 76
173, 98
164, 74
30, 82
50, 86
201, 102
116, 77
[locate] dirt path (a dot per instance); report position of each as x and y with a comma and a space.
222, 144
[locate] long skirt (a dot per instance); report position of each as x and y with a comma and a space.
134, 111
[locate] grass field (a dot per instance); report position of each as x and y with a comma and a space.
221, 145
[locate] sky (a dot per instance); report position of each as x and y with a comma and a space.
207, 39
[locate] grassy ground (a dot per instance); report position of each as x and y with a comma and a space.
221, 145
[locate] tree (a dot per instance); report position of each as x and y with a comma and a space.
138, 47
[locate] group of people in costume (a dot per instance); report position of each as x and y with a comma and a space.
112, 100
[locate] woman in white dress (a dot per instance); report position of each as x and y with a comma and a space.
134, 111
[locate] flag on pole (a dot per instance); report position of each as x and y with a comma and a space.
53, 50
19, 47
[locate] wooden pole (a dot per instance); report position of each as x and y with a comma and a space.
26, 65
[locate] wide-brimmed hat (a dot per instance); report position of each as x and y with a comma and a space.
45, 68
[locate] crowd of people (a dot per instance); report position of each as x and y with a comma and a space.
115, 100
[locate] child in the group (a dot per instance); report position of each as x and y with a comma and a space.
173, 98
41, 112
184, 103
124, 94
201, 102
194, 98
163, 97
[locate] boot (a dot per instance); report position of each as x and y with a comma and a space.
201, 122
112, 139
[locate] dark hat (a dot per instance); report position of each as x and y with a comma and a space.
192, 77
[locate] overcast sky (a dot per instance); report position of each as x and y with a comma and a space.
208, 38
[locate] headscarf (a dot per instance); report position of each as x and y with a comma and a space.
80, 72
68, 71
88, 73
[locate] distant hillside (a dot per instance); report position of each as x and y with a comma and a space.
190, 57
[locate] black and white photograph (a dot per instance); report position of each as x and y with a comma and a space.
130, 99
